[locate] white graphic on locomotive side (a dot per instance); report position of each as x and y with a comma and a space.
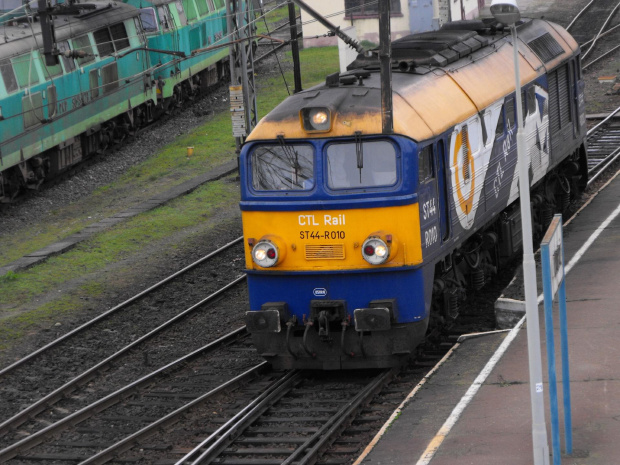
469, 161
536, 129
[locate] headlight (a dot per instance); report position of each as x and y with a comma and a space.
265, 254
316, 119
375, 251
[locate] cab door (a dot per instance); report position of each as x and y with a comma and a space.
430, 217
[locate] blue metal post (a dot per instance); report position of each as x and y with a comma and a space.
553, 389
568, 418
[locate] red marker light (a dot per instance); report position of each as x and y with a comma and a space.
271, 253
369, 250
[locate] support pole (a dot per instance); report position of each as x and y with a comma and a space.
539, 430
292, 19
385, 60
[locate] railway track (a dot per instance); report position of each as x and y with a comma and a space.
603, 145
124, 342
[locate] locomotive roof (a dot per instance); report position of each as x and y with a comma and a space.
17, 36
428, 98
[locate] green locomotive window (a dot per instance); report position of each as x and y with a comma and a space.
163, 17
218, 4
361, 164
119, 36
67, 62
282, 167
50, 71
25, 70
181, 12
32, 105
109, 76
93, 80
8, 76
52, 100
190, 9
83, 44
147, 17
203, 7
104, 42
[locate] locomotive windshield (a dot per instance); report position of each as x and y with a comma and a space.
283, 167
361, 164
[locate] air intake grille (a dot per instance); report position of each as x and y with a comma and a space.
325, 252
546, 47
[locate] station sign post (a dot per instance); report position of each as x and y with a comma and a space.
552, 254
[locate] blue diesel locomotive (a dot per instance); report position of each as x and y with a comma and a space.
357, 242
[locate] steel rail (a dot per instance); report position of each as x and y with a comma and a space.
125, 444
226, 433
608, 31
601, 57
84, 377
579, 14
305, 453
615, 155
315, 444
120, 306
113, 398
607, 118
613, 12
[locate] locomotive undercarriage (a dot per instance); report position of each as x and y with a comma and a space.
473, 263
343, 348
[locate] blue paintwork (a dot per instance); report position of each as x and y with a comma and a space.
356, 288
321, 197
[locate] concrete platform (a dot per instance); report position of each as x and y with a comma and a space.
476, 411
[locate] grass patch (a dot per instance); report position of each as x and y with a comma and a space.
112, 246
13, 328
274, 15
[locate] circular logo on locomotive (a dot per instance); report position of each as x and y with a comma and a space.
464, 174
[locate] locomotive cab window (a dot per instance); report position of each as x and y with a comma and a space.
180, 12
83, 44
425, 164
531, 100
499, 129
119, 36
147, 17
8, 76
282, 167
68, 63
164, 17
25, 70
509, 112
49, 71
361, 164
104, 42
